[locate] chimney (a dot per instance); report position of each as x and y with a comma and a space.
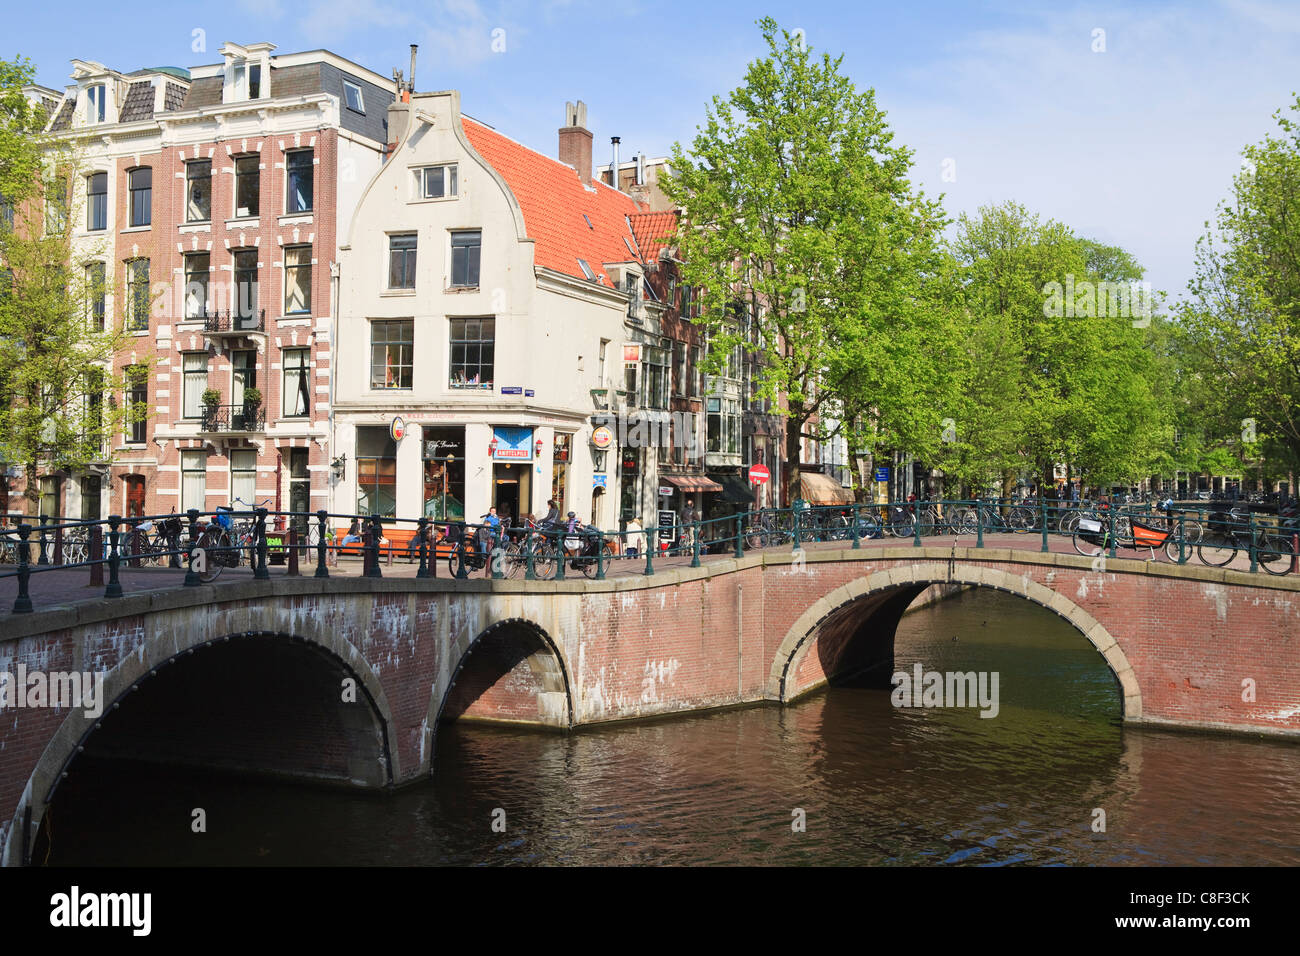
613, 165
411, 87
575, 140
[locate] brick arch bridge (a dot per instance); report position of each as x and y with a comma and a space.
345, 680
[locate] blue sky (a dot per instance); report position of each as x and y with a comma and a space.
1132, 146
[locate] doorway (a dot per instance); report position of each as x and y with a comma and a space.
134, 485
512, 489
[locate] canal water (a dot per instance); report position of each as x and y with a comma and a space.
843, 777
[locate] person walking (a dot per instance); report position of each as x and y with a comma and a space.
632, 538
689, 517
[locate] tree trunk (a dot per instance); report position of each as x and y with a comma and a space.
793, 432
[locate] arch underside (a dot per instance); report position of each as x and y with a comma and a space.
858, 619
213, 703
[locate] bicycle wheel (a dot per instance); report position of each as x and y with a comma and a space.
1088, 545
1217, 548
1275, 553
514, 560
1069, 522
1171, 547
1021, 520
214, 554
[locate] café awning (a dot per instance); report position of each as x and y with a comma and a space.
692, 482
819, 489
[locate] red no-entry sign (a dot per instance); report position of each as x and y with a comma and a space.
759, 475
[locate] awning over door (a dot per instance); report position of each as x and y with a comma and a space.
692, 482
736, 490
819, 489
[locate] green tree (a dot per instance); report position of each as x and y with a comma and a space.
798, 216
1243, 318
57, 410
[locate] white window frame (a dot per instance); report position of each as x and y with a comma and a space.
420, 182
361, 99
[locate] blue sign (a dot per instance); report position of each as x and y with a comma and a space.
599, 481
513, 444
529, 393
511, 390
882, 473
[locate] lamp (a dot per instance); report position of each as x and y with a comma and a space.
538, 445
339, 466
492, 447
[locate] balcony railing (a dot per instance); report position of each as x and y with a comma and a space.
232, 323
229, 419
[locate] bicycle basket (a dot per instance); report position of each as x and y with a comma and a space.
573, 543
222, 518
1145, 537
1091, 531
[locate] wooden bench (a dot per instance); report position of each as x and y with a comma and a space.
396, 542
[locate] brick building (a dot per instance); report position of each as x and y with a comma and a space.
213, 200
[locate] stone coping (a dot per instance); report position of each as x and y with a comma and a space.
60, 617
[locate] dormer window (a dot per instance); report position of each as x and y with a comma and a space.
352, 94
255, 82
96, 103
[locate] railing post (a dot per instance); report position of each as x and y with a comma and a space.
422, 530
600, 555
260, 572
292, 569
695, 544
23, 602
916, 525
796, 543
979, 523
114, 587
530, 553
58, 543
95, 555
322, 519
496, 555
1254, 542
192, 576
42, 557
853, 523
740, 536
651, 542
1042, 516
1111, 516
462, 573
372, 548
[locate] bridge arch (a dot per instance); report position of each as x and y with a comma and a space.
513, 647
164, 649
905, 582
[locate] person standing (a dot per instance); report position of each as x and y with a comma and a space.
632, 538
689, 517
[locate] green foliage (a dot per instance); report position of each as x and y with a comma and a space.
816, 254
1242, 325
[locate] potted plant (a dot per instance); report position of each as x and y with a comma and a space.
252, 402
211, 399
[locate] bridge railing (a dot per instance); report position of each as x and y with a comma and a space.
201, 544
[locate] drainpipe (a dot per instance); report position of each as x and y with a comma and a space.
335, 296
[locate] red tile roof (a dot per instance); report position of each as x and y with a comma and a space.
653, 230
553, 201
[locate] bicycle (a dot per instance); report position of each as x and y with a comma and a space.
1274, 550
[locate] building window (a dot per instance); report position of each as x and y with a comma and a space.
140, 184
137, 403
96, 104
56, 208
464, 258
194, 480
301, 165
245, 305
436, 182
297, 382
198, 190
6, 212
196, 285
563, 446
352, 96
401, 262
255, 82
444, 473
97, 202
391, 351
715, 439
297, 279
731, 412
243, 476
243, 375
137, 295
247, 185
51, 489
586, 270
95, 278
376, 472
196, 380
655, 376
473, 343
95, 412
